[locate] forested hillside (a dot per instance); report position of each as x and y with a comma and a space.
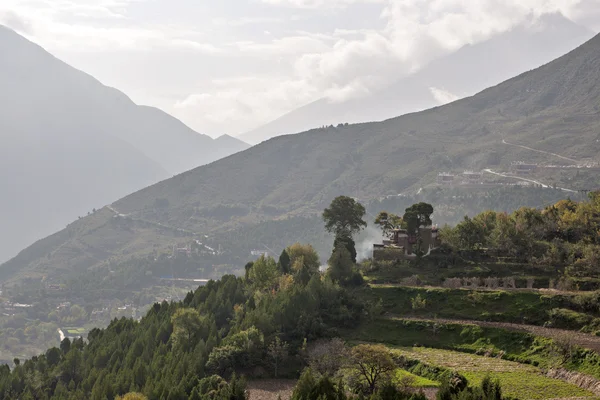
255, 326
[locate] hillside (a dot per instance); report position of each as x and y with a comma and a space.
71, 144
554, 108
472, 315
460, 74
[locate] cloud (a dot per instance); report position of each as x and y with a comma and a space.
229, 75
443, 96
346, 63
319, 4
290, 45
415, 32
94, 25
243, 100
15, 21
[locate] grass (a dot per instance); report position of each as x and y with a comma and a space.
463, 362
414, 381
75, 331
529, 385
517, 380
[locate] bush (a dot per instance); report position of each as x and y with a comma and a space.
567, 319
418, 303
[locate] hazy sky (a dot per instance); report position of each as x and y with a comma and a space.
227, 66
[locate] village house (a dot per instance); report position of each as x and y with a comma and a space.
401, 244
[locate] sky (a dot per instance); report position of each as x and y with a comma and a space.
228, 66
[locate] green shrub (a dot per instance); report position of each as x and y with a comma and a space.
567, 319
418, 303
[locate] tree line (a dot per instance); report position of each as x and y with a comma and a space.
561, 237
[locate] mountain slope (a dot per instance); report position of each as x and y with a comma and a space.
555, 108
70, 144
460, 74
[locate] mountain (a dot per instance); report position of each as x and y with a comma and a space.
554, 109
228, 145
462, 73
70, 144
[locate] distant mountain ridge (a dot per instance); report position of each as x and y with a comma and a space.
554, 108
459, 74
70, 144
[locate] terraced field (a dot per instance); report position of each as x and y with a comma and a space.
584, 340
414, 381
518, 380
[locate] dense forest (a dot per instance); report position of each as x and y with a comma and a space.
244, 325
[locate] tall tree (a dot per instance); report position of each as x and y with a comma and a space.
328, 357
284, 263
340, 264
309, 255
187, 325
344, 217
263, 273
373, 364
348, 243
418, 215
415, 217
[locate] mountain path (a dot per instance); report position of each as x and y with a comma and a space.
539, 151
489, 171
584, 340
117, 213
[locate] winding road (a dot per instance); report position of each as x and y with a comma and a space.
489, 171
117, 213
540, 151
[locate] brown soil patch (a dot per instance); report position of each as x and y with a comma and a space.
271, 389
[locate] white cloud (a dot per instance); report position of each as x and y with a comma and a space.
349, 63
250, 62
94, 25
443, 96
250, 99
14, 21
290, 45
319, 4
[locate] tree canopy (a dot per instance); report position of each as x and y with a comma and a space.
388, 222
418, 215
344, 217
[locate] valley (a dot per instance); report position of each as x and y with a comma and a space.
450, 253
478, 307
